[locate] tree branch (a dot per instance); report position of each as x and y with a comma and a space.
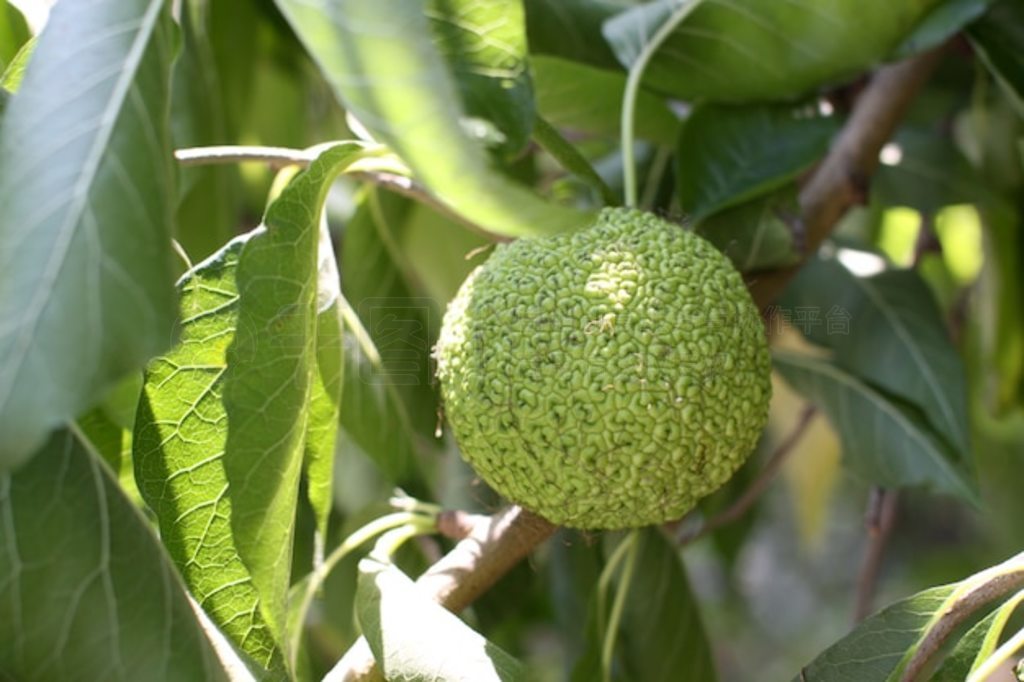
881, 518
494, 545
841, 180
838, 183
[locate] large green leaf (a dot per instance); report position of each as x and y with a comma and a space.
417, 640
889, 331
662, 634
998, 37
271, 365
85, 183
882, 440
762, 49
880, 647
728, 154
383, 66
943, 21
584, 99
484, 43
178, 451
86, 593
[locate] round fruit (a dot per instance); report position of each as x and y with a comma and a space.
606, 378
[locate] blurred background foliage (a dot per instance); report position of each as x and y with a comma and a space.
776, 587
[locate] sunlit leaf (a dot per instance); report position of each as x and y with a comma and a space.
14, 32
380, 60
270, 376
727, 155
85, 185
86, 592
178, 453
484, 43
883, 441
414, 638
729, 51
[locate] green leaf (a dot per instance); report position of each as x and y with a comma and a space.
14, 32
758, 234
325, 394
571, 29
882, 441
732, 52
998, 37
941, 23
270, 376
418, 640
727, 155
12, 76
85, 185
206, 212
484, 44
978, 643
931, 173
178, 453
662, 636
880, 647
888, 331
390, 401
104, 436
588, 100
86, 591
380, 60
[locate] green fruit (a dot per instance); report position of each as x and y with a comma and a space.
606, 378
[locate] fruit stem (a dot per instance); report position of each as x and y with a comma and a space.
636, 72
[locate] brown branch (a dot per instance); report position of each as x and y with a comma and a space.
838, 183
841, 180
1002, 582
493, 546
880, 520
751, 495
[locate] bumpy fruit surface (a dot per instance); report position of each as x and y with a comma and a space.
606, 378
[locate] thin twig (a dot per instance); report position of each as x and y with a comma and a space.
274, 156
986, 587
751, 495
879, 520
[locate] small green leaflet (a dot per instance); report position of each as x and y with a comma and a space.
85, 185
87, 593
270, 377
418, 640
383, 66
